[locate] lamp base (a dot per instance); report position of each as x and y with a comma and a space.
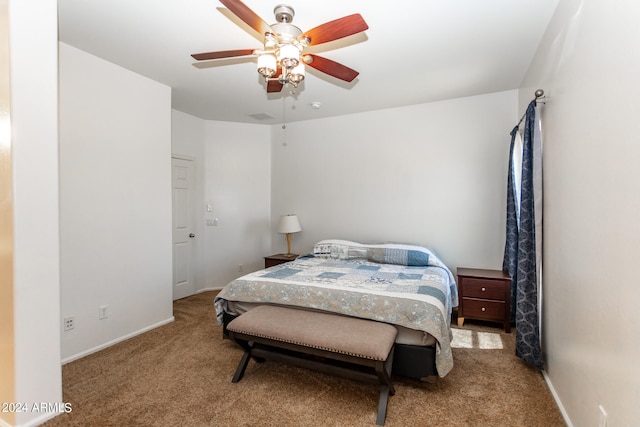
288, 243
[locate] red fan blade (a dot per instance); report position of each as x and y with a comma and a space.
222, 54
330, 67
337, 29
274, 86
247, 15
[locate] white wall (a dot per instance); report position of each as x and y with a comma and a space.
237, 185
233, 167
34, 128
115, 201
432, 174
588, 65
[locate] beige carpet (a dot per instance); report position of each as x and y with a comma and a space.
180, 375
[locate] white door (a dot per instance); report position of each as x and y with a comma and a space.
183, 228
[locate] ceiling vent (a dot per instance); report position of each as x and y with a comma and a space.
262, 116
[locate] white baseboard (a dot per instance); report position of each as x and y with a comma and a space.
567, 420
46, 416
199, 291
116, 341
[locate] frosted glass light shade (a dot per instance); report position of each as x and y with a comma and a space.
297, 74
267, 65
289, 55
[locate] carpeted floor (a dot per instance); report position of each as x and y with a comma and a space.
180, 375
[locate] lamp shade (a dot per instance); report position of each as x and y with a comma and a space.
289, 224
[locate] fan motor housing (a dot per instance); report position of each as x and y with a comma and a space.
285, 31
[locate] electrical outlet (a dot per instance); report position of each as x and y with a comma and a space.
69, 323
104, 312
602, 421
240, 268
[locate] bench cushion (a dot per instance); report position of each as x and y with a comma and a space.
361, 338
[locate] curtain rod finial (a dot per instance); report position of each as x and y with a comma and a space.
538, 93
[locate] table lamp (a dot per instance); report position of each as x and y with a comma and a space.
289, 224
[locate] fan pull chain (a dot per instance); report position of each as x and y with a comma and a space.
284, 123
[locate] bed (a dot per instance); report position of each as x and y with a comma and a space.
404, 285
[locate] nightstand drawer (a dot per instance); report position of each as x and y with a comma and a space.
484, 309
483, 288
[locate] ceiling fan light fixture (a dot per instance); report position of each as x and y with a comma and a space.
288, 55
297, 74
267, 65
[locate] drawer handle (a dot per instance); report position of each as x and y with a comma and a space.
484, 309
484, 289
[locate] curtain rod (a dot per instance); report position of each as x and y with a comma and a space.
539, 94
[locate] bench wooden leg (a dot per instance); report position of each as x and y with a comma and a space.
382, 405
241, 367
383, 370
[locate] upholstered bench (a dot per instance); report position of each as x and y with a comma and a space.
354, 348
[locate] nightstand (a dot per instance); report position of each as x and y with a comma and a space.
484, 295
271, 260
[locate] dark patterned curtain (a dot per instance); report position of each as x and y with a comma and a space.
520, 248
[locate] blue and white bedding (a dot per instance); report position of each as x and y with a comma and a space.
404, 285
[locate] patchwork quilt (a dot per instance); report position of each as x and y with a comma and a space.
397, 284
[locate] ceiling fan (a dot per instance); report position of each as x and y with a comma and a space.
283, 58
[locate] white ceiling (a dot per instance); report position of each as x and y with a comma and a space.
413, 52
